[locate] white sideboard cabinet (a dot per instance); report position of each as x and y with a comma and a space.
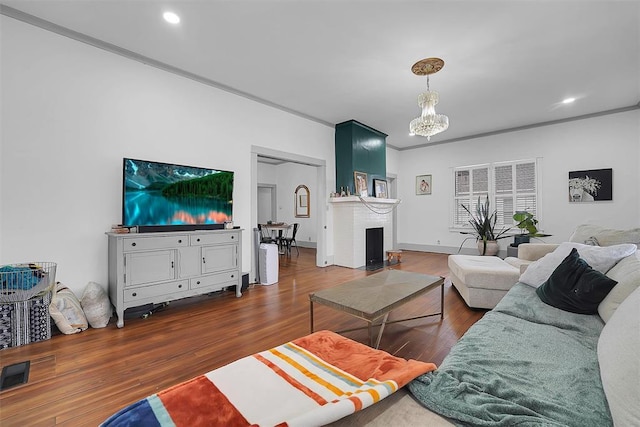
152, 268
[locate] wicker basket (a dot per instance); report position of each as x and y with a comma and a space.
24, 322
21, 282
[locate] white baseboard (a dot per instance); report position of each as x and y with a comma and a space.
329, 261
307, 244
440, 249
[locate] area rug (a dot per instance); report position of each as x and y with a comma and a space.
311, 381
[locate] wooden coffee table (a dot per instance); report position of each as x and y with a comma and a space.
374, 297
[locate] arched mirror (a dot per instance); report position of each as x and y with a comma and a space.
301, 204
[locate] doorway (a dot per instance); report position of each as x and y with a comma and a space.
267, 202
318, 197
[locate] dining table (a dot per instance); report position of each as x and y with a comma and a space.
279, 232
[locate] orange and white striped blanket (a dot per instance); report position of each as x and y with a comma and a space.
314, 380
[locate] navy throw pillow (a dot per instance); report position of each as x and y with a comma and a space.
576, 287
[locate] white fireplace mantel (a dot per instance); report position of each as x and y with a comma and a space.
351, 217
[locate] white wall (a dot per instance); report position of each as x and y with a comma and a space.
267, 174
611, 141
286, 177
290, 175
70, 112
638, 158
393, 157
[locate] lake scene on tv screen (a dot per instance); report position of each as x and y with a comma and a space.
166, 194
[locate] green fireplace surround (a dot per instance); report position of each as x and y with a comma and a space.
362, 149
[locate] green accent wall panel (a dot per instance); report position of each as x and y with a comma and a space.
359, 148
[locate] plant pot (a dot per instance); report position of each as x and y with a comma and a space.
523, 238
492, 248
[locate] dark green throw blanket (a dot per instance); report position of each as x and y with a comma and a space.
524, 363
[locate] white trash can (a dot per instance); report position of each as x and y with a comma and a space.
269, 263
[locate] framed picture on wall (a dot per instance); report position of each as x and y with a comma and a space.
301, 201
360, 183
423, 184
591, 185
380, 188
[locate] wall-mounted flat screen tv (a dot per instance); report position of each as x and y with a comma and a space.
167, 197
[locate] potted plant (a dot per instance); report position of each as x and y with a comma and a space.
528, 225
484, 228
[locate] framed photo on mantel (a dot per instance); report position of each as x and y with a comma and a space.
360, 184
380, 188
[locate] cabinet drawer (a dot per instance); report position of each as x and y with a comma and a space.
159, 242
215, 279
215, 288
132, 294
214, 238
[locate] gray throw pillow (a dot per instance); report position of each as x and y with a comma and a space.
627, 274
605, 236
618, 349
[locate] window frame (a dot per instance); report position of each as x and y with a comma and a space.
475, 189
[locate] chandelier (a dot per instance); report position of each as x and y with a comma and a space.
429, 123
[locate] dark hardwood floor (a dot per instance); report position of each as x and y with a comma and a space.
81, 379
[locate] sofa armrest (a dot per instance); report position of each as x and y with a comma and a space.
519, 263
535, 251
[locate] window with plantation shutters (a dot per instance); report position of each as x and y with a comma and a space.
510, 187
471, 182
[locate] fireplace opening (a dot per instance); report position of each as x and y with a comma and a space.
374, 248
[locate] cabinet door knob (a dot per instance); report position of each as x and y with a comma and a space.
179, 286
198, 239
135, 294
198, 282
233, 237
179, 240
133, 244
203, 260
232, 276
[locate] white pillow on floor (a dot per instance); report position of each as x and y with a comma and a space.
96, 305
66, 312
600, 258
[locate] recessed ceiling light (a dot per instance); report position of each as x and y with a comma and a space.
171, 17
568, 100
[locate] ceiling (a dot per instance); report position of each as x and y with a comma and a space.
508, 64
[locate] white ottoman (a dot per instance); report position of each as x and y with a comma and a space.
482, 280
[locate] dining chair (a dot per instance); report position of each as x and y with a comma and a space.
265, 235
291, 241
